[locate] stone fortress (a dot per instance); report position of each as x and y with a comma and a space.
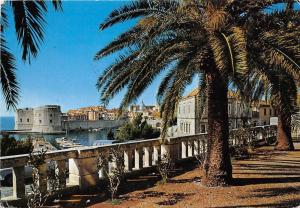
49, 119
44, 119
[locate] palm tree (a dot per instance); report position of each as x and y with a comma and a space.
186, 39
29, 25
275, 59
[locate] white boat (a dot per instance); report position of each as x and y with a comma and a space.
66, 142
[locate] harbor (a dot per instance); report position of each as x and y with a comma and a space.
84, 138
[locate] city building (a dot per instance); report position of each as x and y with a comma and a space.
262, 112
151, 113
192, 117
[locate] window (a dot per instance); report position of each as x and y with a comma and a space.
265, 123
265, 111
20, 120
51, 115
27, 120
40, 121
50, 120
270, 111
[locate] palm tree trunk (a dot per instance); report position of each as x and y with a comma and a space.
217, 166
284, 136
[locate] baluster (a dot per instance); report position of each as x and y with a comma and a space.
204, 147
156, 150
18, 182
61, 172
148, 156
184, 149
138, 155
196, 147
165, 150
104, 170
190, 148
42, 177
201, 143
128, 159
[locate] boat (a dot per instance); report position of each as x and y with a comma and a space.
67, 142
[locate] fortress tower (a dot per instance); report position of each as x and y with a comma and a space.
24, 119
44, 119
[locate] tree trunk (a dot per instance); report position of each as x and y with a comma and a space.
217, 166
284, 136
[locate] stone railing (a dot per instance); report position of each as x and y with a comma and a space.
138, 156
247, 135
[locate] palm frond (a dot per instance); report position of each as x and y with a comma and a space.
183, 77
57, 4
29, 25
3, 19
137, 9
10, 87
116, 68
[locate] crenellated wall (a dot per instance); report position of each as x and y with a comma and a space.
86, 125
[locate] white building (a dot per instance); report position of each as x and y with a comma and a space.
24, 119
192, 119
44, 119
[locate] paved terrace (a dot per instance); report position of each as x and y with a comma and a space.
267, 179
138, 157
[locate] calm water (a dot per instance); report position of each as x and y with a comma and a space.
87, 138
7, 123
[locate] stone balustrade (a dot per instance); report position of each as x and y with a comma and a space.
138, 155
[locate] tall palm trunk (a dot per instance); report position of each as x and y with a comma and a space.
217, 167
284, 136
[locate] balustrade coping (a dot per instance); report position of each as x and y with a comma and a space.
92, 151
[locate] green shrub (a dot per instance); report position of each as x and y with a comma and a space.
11, 146
137, 129
110, 135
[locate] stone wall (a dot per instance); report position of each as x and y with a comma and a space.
47, 119
85, 125
24, 119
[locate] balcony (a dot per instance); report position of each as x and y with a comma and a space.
138, 157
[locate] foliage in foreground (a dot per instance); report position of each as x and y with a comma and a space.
11, 146
37, 197
164, 167
115, 173
29, 24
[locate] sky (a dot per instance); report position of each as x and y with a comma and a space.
64, 72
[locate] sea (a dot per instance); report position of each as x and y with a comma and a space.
86, 138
